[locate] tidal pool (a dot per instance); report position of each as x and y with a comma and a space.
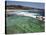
23, 24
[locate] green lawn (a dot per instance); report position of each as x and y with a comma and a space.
22, 24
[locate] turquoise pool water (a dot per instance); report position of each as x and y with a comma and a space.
23, 24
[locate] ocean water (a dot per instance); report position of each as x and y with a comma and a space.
28, 12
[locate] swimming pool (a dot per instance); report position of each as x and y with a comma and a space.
24, 24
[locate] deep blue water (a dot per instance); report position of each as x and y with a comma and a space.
41, 13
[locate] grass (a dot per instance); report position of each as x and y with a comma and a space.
22, 24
